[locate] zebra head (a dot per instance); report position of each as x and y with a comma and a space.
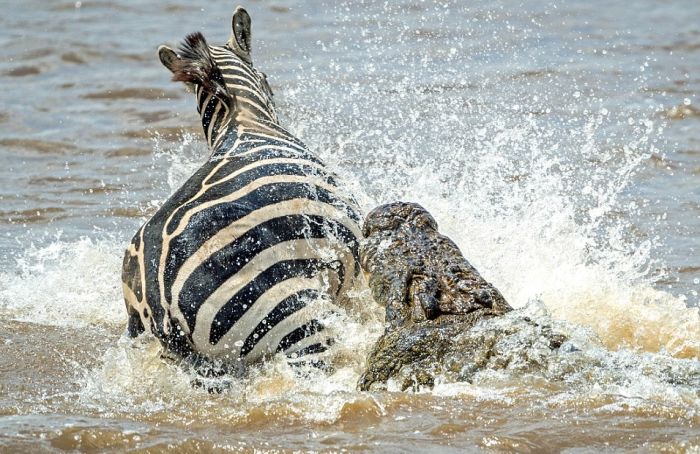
230, 91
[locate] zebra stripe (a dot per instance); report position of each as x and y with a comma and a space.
239, 228
250, 255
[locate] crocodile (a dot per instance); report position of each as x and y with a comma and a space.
433, 299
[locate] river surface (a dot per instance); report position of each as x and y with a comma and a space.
558, 143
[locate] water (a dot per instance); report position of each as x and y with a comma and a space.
556, 143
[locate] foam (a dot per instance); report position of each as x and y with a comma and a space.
66, 283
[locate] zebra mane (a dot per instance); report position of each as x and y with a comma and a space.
196, 65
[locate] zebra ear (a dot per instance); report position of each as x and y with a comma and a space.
168, 57
241, 34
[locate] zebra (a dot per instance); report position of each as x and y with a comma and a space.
247, 257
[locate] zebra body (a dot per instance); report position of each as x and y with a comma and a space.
245, 258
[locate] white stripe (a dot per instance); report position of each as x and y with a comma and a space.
227, 61
165, 238
269, 342
212, 120
245, 104
288, 250
272, 147
265, 162
232, 341
207, 98
256, 93
320, 337
315, 357
241, 75
265, 145
238, 228
310, 180
280, 139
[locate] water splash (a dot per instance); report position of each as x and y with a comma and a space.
133, 377
66, 283
533, 174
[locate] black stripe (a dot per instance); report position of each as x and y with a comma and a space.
153, 242
207, 223
226, 212
309, 329
201, 99
225, 188
226, 60
280, 141
208, 114
248, 89
131, 274
218, 267
136, 241
239, 303
310, 350
256, 112
234, 76
268, 193
258, 141
236, 164
218, 122
284, 309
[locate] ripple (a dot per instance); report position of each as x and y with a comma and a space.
681, 112
23, 71
35, 53
32, 215
169, 134
127, 152
280, 9
72, 57
534, 74
40, 146
688, 269
130, 212
98, 188
154, 117
134, 93
51, 180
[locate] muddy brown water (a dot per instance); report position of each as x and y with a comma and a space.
557, 143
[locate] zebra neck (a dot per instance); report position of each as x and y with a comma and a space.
244, 136
216, 122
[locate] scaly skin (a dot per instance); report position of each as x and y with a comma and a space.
432, 297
